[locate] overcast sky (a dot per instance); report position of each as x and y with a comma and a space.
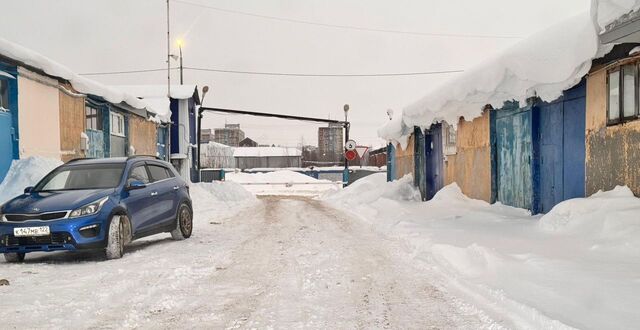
116, 35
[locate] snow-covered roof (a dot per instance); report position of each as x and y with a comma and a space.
542, 65
266, 152
81, 84
608, 14
156, 96
178, 92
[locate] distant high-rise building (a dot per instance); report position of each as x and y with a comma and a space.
206, 136
230, 135
331, 143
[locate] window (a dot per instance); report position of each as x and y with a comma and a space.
79, 177
158, 172
93, 118
4, 94
117, 124
622, 94
139, 173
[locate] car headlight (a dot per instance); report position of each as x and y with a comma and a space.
91, 208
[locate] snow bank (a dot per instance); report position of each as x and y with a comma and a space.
530, 271
222, 191
79, 83
284, 182
24, 173
373, 187
544, 64
611, 219
266, 152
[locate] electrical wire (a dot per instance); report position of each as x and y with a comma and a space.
347, 27
288, 74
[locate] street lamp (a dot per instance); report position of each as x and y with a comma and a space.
205, 89
180, 43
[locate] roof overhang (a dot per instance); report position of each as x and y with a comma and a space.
624, 31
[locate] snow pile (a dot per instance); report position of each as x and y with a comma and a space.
79, 83
25, 173
530, 271
225, 191
544, 64
266, 152
284, 182
375, 187
611, 218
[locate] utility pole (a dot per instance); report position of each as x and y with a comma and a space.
168, 54
205, 89
168, 137
346, 138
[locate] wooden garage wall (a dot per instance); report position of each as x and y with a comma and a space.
405, 162
470, 167
612, 152
72, 121
142, 135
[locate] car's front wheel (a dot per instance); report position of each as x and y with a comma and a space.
14, 257
115, 240
184, 223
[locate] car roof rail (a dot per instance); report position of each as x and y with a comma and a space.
78, 159
144, 156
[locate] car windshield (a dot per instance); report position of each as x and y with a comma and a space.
78, 177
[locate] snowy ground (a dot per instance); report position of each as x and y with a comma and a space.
578, 266
276, 262
368, 256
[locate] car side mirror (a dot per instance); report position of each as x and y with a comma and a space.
133, 185
28, 190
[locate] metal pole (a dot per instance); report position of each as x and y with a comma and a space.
168, 54
181, 77
168, 135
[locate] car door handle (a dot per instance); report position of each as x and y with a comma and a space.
176, 188
155, 193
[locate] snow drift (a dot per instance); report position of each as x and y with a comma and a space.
284, 182
530, 271
24, 173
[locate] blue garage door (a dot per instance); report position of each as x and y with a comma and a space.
8, 123
513, 152
7, 141
562, 148
434, 160
391, 161
420, 176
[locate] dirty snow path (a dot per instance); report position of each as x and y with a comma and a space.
283, 263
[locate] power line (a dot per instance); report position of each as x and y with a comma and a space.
287, 74
348, 27
293, 74
124, 72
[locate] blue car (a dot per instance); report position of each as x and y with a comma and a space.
100, 204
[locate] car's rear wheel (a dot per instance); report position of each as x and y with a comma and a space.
115, 240
14, 257
184, 223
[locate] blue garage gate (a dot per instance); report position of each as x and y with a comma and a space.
514, 154
420, 163
434, 160
562, 148
8, 119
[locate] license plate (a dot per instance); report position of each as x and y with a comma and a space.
31, 231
